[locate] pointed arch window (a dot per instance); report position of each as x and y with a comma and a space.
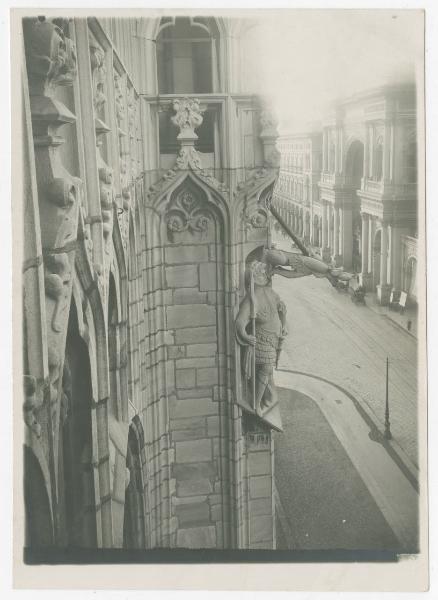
187, 56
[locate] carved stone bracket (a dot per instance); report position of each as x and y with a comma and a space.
31, 405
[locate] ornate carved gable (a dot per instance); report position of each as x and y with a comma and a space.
188, 117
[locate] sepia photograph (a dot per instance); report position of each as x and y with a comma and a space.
219, 228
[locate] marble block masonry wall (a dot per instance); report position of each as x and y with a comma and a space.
191, 273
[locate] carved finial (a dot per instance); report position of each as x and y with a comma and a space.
188, 117
268, 121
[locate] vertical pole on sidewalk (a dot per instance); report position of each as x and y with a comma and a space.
387, 433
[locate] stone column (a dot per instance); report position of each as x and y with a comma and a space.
392, 151
396, 257
389, 258
366, 154
371, 151
324, 226
325, 250
347, 237
331, 230
341, 232
371, 232
387, 153
336, 252
365, 276
323, 151
337, 161
384, 289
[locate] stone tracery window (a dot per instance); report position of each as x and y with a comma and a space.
187, 56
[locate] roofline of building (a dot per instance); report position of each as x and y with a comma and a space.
383, 90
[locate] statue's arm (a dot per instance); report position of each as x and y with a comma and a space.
242, 320
282, 312
300, 266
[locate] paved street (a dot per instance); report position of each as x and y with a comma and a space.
347, 344
344, 488
325, 504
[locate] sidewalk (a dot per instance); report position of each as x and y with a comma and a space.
408, 321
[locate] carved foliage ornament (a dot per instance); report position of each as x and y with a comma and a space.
106, 197
31, 404
50, 54
51, 62
187, 213
98, 70
257, 220
188, 157
188, 116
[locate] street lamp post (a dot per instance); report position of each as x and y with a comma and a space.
387, 433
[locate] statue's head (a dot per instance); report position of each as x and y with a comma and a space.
261, 271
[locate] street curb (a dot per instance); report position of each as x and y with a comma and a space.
403, 461
399, 326
377, 311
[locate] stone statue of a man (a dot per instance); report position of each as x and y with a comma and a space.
261, 320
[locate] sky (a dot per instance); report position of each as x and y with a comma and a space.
304, 59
